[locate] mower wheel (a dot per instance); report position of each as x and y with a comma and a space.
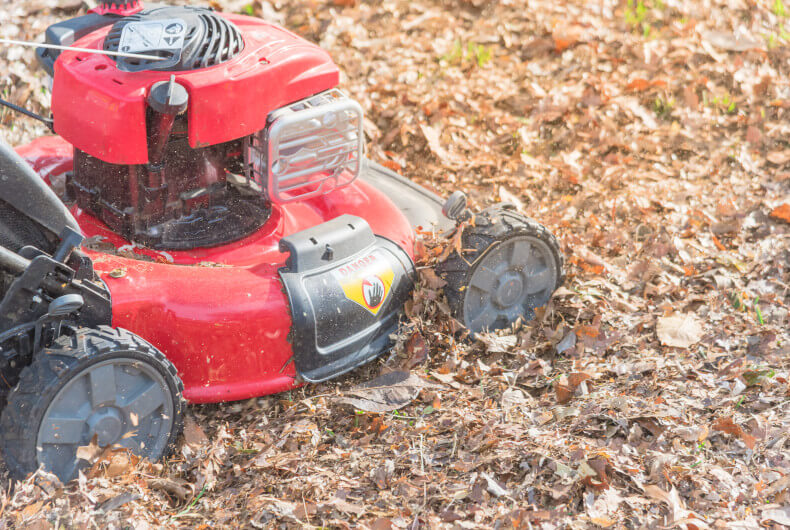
104, 383
510, 266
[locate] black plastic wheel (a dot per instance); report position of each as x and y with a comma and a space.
510, 266
103, 382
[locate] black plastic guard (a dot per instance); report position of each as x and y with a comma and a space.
27, 192
346, 289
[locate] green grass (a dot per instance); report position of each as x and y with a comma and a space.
757, 311
471, 53
663, 107
636, 16
724, 103
779, 9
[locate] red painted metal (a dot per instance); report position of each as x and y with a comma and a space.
220, 314
227, 101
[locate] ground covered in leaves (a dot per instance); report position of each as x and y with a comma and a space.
653, 137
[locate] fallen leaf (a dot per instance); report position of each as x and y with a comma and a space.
566, 386
391, 164
417, 351
639, 84
779, 158
119, 464
386, 393
431, 279
753, 135
777, 515
493, 487
90, 452
497, 343
508, 197
778, 485
116, 502
725, 424
193, 433
562, 43
782, 212
178, 488
679, 330
729, 41
567, 343
435, 145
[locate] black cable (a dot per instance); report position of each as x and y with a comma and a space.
46, 121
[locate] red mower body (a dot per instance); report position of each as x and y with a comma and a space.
235, 240
219, 314
225, 197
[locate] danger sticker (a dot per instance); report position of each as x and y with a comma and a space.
153, 35
367, 281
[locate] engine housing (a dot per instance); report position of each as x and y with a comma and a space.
100, 107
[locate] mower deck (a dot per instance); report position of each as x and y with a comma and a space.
222, 311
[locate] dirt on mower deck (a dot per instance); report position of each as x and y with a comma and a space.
653, 138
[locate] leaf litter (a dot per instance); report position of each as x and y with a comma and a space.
652, 391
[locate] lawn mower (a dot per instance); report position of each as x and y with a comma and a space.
204, 226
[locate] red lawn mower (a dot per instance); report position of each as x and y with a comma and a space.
205, 227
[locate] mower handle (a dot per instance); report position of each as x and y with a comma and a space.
12, 261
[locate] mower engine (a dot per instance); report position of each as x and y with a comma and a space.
186, 151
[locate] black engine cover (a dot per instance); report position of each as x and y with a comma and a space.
187, 38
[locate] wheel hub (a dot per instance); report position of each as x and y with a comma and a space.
107, 424
509, 282
510, 290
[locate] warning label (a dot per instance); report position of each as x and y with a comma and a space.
153, 35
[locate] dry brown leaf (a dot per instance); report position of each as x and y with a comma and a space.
435, 144
679, 331
416, 351
386, 393
730, 41
782, 212
90, 452
639, 84
779, 158
120, 463
431, 279
193, 433
725, 424
565, 386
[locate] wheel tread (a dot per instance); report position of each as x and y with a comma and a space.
492, 226
43, 377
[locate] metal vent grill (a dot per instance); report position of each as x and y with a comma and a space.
221, 43
310, 148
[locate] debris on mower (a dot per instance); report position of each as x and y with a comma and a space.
221, 234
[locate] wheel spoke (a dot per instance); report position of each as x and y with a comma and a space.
483, 320
131, 443
145, 402
102, 385
511, 314
520, 253
540, 281
484, 279
61, 431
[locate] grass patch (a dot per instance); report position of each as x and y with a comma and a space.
472, 53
